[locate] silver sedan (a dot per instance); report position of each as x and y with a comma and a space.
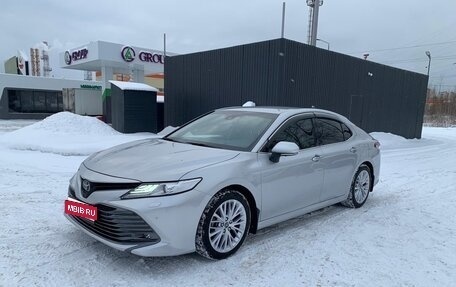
226, 174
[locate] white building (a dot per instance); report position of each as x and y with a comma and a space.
28, 97
32, 97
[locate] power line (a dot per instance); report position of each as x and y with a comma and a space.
443, 77
422, 59
443, 85
406, 47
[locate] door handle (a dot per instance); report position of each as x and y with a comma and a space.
316, 158
353, 149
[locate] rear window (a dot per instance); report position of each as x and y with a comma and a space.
347, 132
328, 131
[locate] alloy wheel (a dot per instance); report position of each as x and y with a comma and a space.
227, 226
362, 186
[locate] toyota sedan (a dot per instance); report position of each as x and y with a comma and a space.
205, 186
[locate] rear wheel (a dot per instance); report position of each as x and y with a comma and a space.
360, 188
223, 225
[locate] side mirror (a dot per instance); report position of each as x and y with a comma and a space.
283, 149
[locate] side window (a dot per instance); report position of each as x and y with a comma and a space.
347, 132
306, 133
299, 131
328, 131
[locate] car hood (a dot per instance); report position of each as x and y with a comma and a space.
155, 160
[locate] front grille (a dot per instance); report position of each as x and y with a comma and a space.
119, 225
87, 190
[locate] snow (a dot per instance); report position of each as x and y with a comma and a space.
405, 235
388, 140
167, 130
11, 125
133, 86
67, 134
248, 104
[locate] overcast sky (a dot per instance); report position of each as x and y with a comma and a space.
351, 26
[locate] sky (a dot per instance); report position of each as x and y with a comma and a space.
393, 32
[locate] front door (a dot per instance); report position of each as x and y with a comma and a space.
295, 181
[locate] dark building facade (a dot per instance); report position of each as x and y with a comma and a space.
132, 109
282, 72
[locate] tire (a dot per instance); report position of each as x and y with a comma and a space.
360, 188
219, 239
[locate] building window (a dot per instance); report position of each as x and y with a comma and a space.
14, 101
31, 101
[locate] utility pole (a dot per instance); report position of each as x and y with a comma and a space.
313, 20
164, 46
428, 54
283, 20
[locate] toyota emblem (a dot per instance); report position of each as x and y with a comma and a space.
86, 185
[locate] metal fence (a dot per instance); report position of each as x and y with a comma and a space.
282, 72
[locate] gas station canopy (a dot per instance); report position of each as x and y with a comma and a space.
118, 58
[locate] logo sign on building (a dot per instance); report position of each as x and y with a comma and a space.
91, 87
74, 56
129, 54
151, 57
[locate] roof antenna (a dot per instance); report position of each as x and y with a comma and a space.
248, 104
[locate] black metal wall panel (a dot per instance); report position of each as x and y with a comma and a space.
287, 73
140, 111
174, 105
253, 69
134, 111
117, 112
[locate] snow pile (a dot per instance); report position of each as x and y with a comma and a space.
69, 123
390, 141
67, 134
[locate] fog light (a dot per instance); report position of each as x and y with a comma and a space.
150, 236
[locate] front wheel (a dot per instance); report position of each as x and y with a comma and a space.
360, 188
223, 225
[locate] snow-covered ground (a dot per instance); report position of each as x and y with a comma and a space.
405, 235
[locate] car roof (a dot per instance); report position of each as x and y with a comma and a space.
286, 111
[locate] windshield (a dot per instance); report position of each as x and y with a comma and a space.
236, 130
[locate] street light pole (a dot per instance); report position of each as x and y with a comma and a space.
327, 43
428, 54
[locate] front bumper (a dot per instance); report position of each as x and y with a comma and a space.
173, 218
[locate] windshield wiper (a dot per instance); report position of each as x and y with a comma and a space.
197, 144
171, 140
192, 143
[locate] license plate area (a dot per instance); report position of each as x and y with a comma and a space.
81, 209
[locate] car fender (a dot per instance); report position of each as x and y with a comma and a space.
242, 170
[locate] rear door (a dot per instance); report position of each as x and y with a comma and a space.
339, 156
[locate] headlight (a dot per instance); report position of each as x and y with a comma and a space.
161, 188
